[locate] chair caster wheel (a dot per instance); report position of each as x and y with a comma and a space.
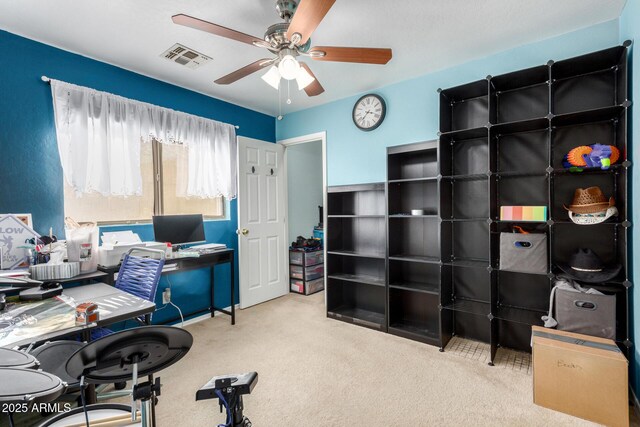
120, 386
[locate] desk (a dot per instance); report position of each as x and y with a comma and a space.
207, 260
40, 321
84, 278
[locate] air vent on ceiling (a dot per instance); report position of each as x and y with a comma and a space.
185, 56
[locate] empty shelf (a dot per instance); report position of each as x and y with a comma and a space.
471, 307
406, 215
416, 287
358, 278
588, 116
471, 263
355, 216
358, 315
461, 135
520, 315
475, 176
356, 254
415, 330
524, 272
519, 174
415, 258
482, 219
529, 125
429, 178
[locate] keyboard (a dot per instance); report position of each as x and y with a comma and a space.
208, 246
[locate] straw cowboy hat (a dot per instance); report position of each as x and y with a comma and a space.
590, 206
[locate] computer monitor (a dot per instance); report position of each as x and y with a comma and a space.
178, 229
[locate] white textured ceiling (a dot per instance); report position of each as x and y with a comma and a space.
425, 35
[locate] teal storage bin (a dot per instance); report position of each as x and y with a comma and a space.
319, 234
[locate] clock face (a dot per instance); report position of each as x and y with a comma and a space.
369, 112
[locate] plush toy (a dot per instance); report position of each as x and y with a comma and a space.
591, 156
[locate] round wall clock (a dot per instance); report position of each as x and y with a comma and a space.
368, 112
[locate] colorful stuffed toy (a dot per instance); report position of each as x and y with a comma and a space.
591, 156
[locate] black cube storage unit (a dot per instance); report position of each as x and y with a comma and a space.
306, 271
356, 255
413, 235
502, 140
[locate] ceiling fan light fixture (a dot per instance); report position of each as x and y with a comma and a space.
272, 77
289, 67
303, 78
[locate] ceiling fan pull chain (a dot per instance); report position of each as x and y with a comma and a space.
280, 102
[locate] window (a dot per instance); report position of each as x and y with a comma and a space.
159, 197
174, 183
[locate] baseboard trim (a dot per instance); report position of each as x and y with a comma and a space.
635, 402
205, 316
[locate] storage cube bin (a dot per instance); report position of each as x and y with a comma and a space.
315, 286
524, 253
306, 258
296, 257
297, 286
311, 287
306, 273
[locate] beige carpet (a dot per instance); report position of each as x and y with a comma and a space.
315, 371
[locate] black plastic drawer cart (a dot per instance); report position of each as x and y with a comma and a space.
306, 271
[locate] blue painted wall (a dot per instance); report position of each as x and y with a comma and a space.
412, 105
30, 171
630, 30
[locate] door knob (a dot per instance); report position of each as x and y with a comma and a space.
243, 231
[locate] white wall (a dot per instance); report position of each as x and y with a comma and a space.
304, 176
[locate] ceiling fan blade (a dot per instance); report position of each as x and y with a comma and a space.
363, 55
314, 88
307, 17
244, 71
218, 30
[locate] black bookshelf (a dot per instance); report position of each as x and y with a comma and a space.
356, 255
501, 143
435, 274
412, 239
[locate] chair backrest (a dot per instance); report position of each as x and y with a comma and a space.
139, 275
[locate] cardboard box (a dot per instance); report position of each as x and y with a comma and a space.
580, 375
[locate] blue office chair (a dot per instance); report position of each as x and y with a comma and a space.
139, 276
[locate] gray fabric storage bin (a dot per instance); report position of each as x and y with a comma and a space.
524, 253
584, 313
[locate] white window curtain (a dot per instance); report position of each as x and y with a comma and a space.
99, 137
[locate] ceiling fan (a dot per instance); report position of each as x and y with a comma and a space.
288, 40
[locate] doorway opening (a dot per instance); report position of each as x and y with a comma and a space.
306, 195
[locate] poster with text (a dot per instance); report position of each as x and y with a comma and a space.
14, 235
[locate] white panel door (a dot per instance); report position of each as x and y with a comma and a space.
261, 221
